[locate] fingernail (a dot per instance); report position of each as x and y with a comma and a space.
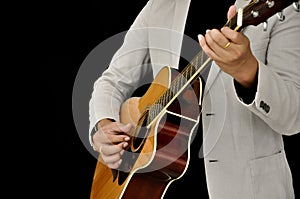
126, 139
122, 152
125, 144
120, 161
200, 37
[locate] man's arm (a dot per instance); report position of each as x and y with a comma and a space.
277, 81
127, 68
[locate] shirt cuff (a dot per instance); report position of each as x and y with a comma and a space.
246, 95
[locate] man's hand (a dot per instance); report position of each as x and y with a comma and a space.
110, 141
231, 51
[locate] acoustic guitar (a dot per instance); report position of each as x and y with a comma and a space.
164, 120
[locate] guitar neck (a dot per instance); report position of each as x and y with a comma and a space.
257, 11
190, 73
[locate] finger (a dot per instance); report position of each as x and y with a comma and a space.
205, 47
106, 138
115, 165
111, 133
125, 128
217, 39
108, 159
201, 40
107, 150
210, 40
231, 12
116, 127
233, 35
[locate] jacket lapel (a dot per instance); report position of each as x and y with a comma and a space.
212, 75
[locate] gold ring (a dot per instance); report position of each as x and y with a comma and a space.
227, 45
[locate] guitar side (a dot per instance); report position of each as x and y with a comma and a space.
164, 153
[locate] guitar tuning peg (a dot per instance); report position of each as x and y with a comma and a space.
270, 3
296, 6
265, 25
280, 16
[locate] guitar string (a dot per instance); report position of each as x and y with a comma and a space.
177, 83
187, 72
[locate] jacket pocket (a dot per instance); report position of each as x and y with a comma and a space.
269, 177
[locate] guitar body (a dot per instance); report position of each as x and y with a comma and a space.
158, 153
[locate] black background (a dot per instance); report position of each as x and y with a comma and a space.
60, 36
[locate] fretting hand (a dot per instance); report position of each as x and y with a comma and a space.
231, 51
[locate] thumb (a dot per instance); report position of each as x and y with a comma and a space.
125, 128
231, 12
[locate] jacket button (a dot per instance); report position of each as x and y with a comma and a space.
264, 106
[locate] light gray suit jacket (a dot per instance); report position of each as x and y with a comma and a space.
243, 148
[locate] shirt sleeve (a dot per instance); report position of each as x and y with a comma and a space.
246, 95
127, 69
277, 97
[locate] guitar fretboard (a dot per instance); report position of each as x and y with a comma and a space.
252, 14
182, 80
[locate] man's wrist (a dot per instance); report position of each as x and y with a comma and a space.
247, 77
104, 122
98, 125
246, 95
94, 130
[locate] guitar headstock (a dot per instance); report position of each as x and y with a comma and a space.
256, 12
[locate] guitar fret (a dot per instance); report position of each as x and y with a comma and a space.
175, 86
190, 72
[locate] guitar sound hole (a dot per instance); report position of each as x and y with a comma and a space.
140, 133
139, 139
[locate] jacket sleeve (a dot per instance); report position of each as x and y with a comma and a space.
277, 100
129, 65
